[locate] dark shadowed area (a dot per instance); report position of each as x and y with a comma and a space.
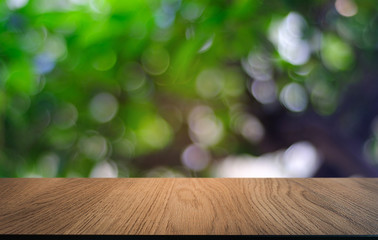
171, 88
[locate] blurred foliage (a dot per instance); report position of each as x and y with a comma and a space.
95, 84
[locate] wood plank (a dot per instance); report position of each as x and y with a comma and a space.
189, 206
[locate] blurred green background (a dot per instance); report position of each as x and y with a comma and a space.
148, 88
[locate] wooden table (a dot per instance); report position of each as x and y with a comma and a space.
189, 206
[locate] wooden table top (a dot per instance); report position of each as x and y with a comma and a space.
189, 206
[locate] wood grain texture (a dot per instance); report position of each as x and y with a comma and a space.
189, 206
